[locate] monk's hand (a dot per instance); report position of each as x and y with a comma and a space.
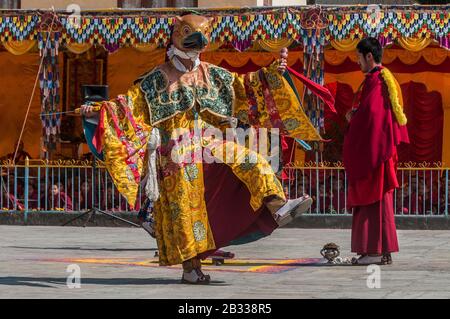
87, 110
283, 60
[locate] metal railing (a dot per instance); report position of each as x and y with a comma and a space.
423, 191
51, 186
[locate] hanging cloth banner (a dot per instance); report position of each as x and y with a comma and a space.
49, 85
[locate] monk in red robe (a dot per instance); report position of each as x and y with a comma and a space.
376, 127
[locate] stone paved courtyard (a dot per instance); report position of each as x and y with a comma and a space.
119, 263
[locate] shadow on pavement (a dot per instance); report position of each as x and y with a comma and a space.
49, 282
87, 249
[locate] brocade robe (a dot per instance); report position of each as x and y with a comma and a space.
201, 207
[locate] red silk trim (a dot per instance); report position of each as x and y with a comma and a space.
322, 92
275, 117
99, 132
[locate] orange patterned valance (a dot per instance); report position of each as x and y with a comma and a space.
19, 47
433, 56
240, 59
410, 44
345, 45
145, 47
274, 45
78, 48
414, 44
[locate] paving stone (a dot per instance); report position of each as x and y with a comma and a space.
34, 260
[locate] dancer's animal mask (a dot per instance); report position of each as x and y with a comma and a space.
191, 32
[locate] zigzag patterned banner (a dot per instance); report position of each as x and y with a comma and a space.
18, 27
390, 23
124, 27
117, 30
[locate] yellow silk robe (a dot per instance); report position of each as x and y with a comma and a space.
168, 100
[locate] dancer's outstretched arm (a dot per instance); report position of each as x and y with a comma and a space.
265, 98
121, 136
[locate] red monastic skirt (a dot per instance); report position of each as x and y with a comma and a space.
372, 200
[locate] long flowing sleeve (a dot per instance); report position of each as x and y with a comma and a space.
266, 99
121, 136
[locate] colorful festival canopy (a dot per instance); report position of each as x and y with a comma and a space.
311, 28
240, 27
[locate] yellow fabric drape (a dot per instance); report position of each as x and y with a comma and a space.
239, 59
16, 83
345, 45
127, 64
406, 57
434, 81
148, 47
410, 44
440, 82
433, 56
19, 47
275, 45
78, 48
145, 47
414, 44
335, 57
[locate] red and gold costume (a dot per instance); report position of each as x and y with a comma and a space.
199, 207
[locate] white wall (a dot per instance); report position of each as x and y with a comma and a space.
280, 3
226, 3
62, 4
106, 4
247, 3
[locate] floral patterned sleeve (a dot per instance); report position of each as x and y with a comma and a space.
265, 99
123, 133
